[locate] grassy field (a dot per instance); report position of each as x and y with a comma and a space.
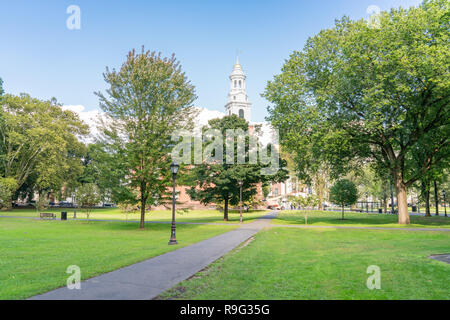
34, 255
283, 263
162, 215
330, 218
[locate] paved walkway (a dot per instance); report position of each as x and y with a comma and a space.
355, 227
147, 279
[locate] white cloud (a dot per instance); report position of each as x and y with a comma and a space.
91, 118
205, 115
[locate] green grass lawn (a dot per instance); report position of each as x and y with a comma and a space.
330, 218
34, 254
212, 216
284, 263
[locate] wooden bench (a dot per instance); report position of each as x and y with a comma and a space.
47, 215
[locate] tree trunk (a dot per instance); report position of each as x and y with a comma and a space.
426, 194
385, 204
143, 203
402, 202
436, 197
225, 210
142, 222
342, 212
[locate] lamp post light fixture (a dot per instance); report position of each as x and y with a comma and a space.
240, 199
445, 203
174, 168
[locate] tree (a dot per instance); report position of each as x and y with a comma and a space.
344, 193
7, 187
88, 196
372, 94
39, 142
146, 100
218, 182
1, 87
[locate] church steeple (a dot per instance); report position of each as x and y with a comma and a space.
238, 102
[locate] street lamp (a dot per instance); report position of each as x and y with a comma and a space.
174, 168
240, 198
445, 204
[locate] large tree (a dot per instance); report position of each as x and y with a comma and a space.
39, 142
217, 182
377, 92
146, 100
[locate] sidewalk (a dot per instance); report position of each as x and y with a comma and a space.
356, 227
147, 279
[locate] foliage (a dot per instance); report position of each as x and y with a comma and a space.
146, 100
310, 201
39, 143
358, 93
218, 182
344, 193
7, 187
88, 196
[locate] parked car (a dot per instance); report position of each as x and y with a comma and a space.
65, 204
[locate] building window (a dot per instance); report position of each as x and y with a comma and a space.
235, 83
240, 84
234, 97
241, 113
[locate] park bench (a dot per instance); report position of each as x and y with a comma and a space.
47, 215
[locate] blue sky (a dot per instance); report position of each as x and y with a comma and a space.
41, 56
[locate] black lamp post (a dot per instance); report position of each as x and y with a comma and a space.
240, 198
174, 168
445, 203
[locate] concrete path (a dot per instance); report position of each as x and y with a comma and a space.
147, 279
354, 227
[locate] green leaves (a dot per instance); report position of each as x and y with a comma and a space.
147, 99
359, 94
218, 183
344, 193
39, 139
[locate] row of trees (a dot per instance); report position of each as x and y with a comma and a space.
146, 100
361, 94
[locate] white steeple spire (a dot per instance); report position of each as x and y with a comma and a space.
238, 102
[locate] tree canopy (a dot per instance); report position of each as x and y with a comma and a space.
218, 182
344, 193
146, 100
364, 93
39, 142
